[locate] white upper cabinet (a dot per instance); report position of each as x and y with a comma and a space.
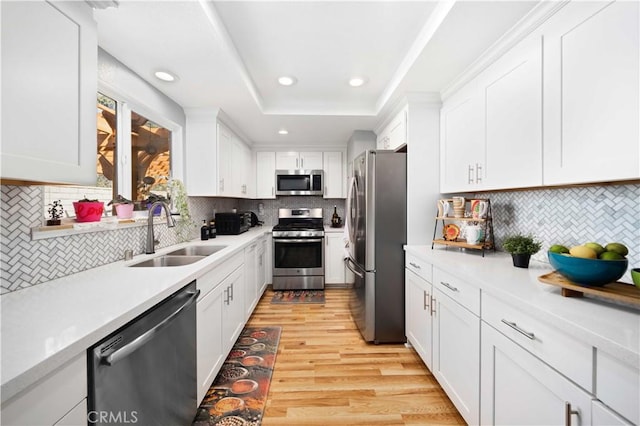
49, 88
299, 160
461, 140
265, 174
334, 180
491, 129
218, 163
394, 135
512, 92
592, 113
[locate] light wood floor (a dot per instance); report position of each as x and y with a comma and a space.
325, 374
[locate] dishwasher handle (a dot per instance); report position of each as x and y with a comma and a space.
135, 344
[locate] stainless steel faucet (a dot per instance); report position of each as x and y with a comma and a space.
151, 241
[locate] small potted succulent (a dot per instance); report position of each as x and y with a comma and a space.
124, 207
521, 248
55, 211
88, 210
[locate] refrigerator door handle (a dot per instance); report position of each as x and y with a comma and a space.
348, 262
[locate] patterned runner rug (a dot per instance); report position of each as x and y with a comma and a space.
298, 296
238, 395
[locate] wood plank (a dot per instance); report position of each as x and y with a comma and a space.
325, 373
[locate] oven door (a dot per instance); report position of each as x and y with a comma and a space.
298, 256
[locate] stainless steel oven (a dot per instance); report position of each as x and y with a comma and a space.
298, 250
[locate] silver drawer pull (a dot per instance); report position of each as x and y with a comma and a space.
449, 286
519, 330
425, 304
568, 412
414, 265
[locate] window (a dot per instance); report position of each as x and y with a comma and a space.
133, 158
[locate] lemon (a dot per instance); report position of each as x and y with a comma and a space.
584, 252
558, 248
621, 249
611, 255
597, 247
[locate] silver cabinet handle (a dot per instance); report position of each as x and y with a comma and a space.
425, 304
568, 412
449, 286
297, 159
414, 265
231, 292
139, 341
478, 173
519, 330
302, 163
273, 190
470, 174
433, 306
226, 296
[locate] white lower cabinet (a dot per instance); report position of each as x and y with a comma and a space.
418, 318
251, 279
518, 388
618, 386
262, 267
456, 354
77, 416
219, 319
53, 399
334, 272
603, 415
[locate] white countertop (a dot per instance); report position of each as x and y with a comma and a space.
329, 228
610, 327
48, 324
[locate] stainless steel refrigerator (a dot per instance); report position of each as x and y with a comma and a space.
377, 225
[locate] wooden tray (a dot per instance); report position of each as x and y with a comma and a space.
627, 293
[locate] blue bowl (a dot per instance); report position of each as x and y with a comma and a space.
588, 272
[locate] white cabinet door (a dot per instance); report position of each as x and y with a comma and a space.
462, 140
265, 174
288, 160
602, 415
49, 89
592, 93
210, 348
334, 258
251, 279
262, 267
334, 181
398, 130
242, 165
233, 315
456, 355
311, 160
512, 89
418, 319
77, 416
518, 388
224, 160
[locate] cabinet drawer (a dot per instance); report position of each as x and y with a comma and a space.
461, 291
569, 356
617, 386
419, 266
211, 279
50, 399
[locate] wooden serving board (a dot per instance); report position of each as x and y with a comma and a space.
627, 293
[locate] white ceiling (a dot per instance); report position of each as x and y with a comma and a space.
229, 54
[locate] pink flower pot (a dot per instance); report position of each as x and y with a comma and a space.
124, 211
88, 211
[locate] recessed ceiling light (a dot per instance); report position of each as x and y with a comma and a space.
283, 131
286, 80
356, 82
165, 76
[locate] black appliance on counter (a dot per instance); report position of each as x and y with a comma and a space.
233, 223
298, 250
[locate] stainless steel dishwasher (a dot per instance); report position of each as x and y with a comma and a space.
145, 372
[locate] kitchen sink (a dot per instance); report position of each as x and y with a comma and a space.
196, 251
168, 260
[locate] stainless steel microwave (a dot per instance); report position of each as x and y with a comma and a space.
299, 182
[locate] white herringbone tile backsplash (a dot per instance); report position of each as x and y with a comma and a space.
568, 216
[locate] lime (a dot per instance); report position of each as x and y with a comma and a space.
597, 247
558, 248
611, 255
621, 249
